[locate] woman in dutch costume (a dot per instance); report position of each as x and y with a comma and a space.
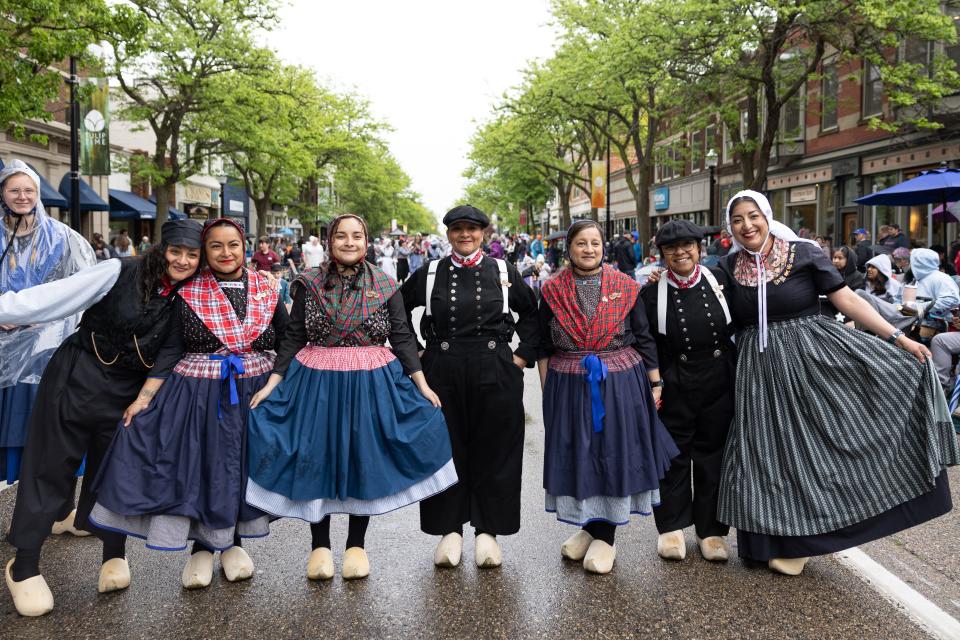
177, 471
95, 375
34, 249
340, 427
693, 329
605, 449
468, 325
808, 468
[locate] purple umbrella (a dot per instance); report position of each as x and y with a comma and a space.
950, 215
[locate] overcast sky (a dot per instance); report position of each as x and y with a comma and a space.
431, 68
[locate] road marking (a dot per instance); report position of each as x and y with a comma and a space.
928, 615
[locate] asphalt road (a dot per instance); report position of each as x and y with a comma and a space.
535, 594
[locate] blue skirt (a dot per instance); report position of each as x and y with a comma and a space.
178, 472
346, 432
16, 403
603, 475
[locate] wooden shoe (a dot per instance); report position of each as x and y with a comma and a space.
236, 564
672, 546
66, 526
575, 547
199, 571
31, 597
448, 550
355, 564
487, 552
320, 564
114, 575
713, 548
788, 566
600, 557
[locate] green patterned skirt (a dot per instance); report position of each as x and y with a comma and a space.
832, 426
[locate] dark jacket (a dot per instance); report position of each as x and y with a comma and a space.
864, 252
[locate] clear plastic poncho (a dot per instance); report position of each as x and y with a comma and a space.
50, 252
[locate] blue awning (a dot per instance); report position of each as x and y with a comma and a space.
172, 213
125, 205
89, 200
48, 195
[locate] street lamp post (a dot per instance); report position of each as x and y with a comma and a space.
222, 179
711, 162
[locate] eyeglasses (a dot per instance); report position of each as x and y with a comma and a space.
16, 193
680, 247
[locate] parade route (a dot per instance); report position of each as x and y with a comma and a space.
535, 594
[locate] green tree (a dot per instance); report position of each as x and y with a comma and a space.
169, 83
750, 61
38, 34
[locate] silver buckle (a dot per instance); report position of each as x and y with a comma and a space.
445, 345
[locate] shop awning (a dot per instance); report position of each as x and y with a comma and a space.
89, 199
48, 195
172, 213
125, 205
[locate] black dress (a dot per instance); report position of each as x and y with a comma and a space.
91, 379
469, 364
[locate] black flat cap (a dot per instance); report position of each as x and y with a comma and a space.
677, 231
182, 233
466, 212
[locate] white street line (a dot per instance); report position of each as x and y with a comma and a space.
932, 618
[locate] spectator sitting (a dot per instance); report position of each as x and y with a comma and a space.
901, 265
880, 282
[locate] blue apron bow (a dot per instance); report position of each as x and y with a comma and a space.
230, 366
596, 373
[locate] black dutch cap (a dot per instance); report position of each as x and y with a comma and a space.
466, 212
677, 231
182, 233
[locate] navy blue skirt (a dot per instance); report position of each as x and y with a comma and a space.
16, 403
346, 432
178, 472
606, 475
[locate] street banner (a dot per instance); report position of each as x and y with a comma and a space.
95, 129
598, 192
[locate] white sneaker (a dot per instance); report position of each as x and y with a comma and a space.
487, 552
236, 564
355, 564
448, 550
199, 571
713, 548
66, 526
600, 557
788, 566
575, 547
320, 564
672, 546
32, 597
114, 575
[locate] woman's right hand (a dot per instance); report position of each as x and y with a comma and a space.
135, 407
654, 276
260, 396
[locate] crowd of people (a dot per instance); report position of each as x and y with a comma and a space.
206, 407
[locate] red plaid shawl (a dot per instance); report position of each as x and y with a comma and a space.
348, 307
204, 295
618, 293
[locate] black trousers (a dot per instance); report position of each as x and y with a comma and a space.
698, 405
482, 394
78, 407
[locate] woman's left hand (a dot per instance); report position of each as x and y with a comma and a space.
429, 394
272, 279
520, 362
916, 349
657, 393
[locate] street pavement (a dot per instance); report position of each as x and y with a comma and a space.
535, 594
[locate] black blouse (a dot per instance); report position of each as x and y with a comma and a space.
122, 315
467, 302
190, 335
695, 319
309, 324
794, 292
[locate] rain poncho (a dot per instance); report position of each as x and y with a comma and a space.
50, 252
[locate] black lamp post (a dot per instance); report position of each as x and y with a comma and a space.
711, 161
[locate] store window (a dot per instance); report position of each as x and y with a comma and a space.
827, 218
778, 202
882, 215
